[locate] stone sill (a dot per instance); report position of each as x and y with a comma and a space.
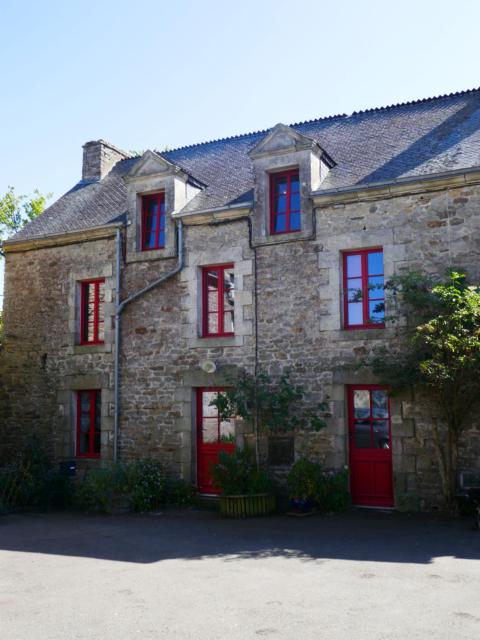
81, 349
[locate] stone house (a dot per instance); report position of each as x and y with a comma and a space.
128, 299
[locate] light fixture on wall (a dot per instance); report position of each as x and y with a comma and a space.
208, 366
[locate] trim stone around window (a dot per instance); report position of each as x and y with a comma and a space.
218, 300
88, 427
285, 208
363, 289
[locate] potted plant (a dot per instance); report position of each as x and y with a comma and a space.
267, 406
304, 481
244, 489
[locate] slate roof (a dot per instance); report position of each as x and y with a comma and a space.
377, 145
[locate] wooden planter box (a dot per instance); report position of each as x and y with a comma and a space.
259, 504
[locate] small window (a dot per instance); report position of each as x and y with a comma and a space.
92, 312
285, 202
363, 281
89, 416
218, 301
153, 221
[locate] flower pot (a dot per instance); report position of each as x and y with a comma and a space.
302, 505
247, 506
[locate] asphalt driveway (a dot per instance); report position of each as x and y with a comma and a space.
189, 574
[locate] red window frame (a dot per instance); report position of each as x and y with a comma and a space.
366, 293
158, 221
274, 178
84, 321
93, 449
220, 269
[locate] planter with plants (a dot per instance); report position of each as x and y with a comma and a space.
244, 490
269, 407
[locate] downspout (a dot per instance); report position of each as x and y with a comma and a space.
120, 306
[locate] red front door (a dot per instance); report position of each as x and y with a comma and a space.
371, 481
213, 435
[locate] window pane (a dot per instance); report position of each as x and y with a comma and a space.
83, 443
280, 186
213, 323
379, 403
212, 301
208, 409
362, 434
210, 429
84, 422
84, 402
354, 289
381, 436
375, 263
376, 311
375, 287
228, 289
96, 443
295, 221
361, 403
228, 321
227, 431
294, 184
161, 238
280, 223
295, 202
355, 313
281, 204
354, 266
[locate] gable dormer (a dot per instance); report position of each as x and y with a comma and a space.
156, 189
287, 167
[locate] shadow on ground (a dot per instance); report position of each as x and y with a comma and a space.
193, 535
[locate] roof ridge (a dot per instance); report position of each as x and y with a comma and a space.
453, 94
325, 118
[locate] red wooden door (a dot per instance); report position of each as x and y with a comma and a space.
213, 435
371, 480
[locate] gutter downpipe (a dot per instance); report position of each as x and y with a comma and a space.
120, 306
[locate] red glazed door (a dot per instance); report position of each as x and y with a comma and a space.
213, 435
371, 481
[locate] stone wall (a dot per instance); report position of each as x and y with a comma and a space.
299, 319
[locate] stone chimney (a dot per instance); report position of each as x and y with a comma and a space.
99, 157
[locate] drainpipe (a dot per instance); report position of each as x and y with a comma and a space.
120, 306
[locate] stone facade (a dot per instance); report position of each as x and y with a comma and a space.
288, 315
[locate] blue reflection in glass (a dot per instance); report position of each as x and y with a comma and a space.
280, 223
375, 263
295, 221
295, 202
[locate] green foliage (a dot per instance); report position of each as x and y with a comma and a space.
17, 210
142, 484
29, 480
276, 405
304, 479
438, 351
237, 474
328, 490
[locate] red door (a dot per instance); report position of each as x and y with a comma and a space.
213, 435
371, 480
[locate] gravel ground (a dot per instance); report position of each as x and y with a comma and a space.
188, 574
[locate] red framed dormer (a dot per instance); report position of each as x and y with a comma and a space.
363, 289
285, 213
92, 312
218, 301
153, 221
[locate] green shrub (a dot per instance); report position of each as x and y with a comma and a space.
147, 484
328, 490
236, 474
98, 487
179, 493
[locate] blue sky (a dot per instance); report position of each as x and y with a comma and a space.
150, 73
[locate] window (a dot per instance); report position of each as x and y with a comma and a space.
153, 221
369, 417
92, 312
89, 415
218, 300
363, 289
285, 202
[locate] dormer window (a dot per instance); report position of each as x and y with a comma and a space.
285, 202
153, 221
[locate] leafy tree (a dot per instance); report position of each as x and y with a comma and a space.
438, 352
17, 210
269, 405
